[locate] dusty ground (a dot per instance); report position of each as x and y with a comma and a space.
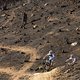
29, 29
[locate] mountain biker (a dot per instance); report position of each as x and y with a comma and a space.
49, 58
71, 60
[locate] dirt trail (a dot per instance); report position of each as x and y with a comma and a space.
8, 71
27, 50
46, 75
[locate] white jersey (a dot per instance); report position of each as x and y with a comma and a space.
71, 60
51, 57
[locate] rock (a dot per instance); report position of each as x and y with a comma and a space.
24, 4
77, 29
74, 43
50, 19
35, 26
32, 15
64, 30
45, 4
3, 15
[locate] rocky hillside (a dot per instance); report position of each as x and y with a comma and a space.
29, 29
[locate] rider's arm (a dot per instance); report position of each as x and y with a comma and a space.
74, 60
67, 60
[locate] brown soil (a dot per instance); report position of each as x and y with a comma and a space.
29, 29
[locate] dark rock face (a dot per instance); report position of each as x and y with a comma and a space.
16, 59
5, 3
4, 76
41, 24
